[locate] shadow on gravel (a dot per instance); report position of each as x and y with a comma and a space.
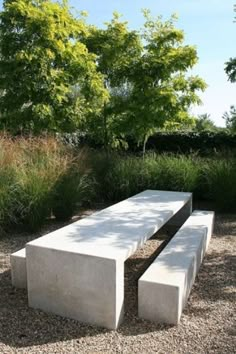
225, 225
232, 331
215, 282
21, 326
216, 279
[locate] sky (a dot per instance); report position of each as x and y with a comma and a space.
207, 24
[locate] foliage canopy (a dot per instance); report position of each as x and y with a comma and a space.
147, 79
230, 119
42, 62
205, 123
230, 69
59, 74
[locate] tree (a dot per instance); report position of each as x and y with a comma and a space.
117, 50
230, 119
230, 66
204, 123
230, 69
145, 73
43, 61
161, 92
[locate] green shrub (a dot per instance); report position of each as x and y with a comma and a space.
38, 176
176, 173
205, 143
40, 163
125, 176
118, 176
6, 191
33, 198
73, 188
42, 176
101, 164
220, 180
29, 169
7, 180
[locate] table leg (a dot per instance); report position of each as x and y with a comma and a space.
86, 288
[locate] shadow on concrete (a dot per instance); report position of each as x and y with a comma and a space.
121, 228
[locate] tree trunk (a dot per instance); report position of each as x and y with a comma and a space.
144, 144
105, 132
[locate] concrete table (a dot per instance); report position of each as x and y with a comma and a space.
78, 270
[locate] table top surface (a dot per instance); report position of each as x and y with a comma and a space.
117, 231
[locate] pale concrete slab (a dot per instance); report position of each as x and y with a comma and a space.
78, 271
18, 269
116, 232
164, 288
79, 287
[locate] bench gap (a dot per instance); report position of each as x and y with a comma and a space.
139, 262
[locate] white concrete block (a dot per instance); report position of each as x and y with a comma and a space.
164, 288
18, 269
78, 271
76, 286
119, 230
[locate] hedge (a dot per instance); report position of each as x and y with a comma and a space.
204, 143
185, 142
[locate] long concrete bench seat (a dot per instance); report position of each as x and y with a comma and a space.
164, 288
18, 269
78, 270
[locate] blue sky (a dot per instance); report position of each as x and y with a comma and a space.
208, 24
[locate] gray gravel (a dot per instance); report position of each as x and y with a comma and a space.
207, 325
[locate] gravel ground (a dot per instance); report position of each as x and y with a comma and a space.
207, 325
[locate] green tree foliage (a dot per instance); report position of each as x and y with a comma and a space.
204, 123
146, 76
118, 50
230, 119
230, 69
43, 62
230, 66
58, 74
162, 93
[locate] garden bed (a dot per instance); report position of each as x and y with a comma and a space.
207, 324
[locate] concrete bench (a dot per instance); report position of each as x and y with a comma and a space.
18, 269
78, 270
164, 288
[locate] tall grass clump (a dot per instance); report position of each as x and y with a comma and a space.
38, 176
210, 179
41, 177
74, 187
7, 179
123, 176
220, 182
174, 172
40, 163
